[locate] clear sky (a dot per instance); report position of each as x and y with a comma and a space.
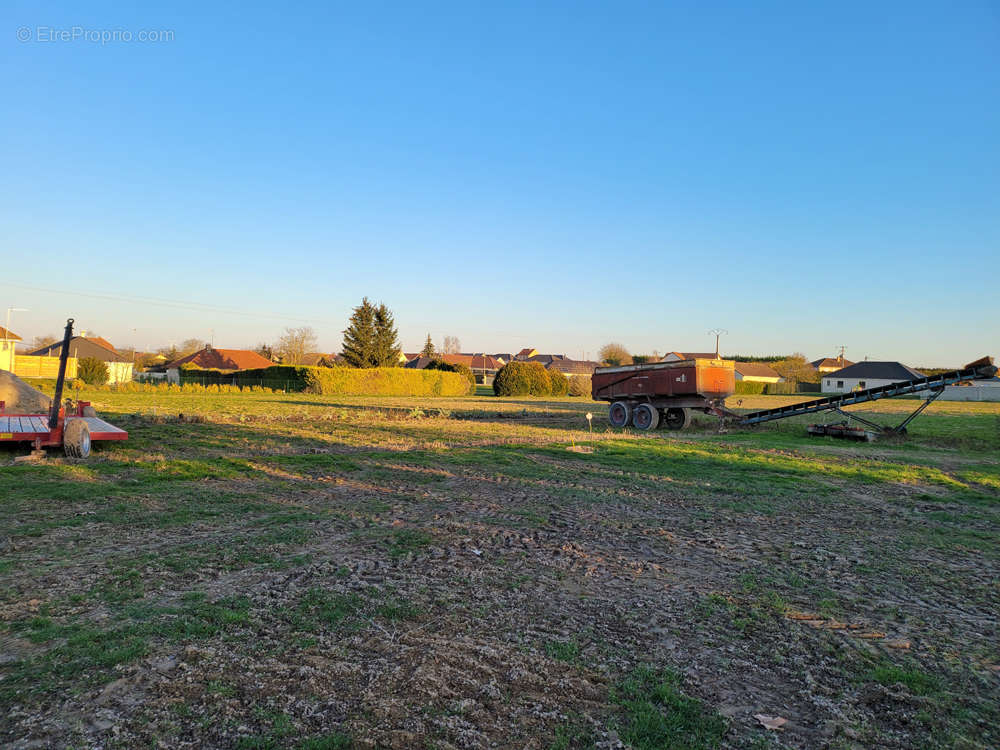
547, 174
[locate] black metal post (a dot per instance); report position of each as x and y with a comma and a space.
63, 358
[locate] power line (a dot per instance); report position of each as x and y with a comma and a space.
162, 302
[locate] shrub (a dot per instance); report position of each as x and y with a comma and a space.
384, 381
559, 384
749, 388
92, 371
466, 372
579, 385
511, 380
522, 379
538, 379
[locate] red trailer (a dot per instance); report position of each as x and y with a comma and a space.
664, 393
73, 426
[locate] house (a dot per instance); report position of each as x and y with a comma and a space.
210, 358
8, 342
756, 372
867, 375
483, 366
81, 347
564, 364
317, 359
831, 364
526, 354
679, 356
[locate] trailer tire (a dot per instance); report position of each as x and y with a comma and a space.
676, 419
620, 413
645, 417
76, 439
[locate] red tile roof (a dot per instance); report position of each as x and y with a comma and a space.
210, 358
472, 361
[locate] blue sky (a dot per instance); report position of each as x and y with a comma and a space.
515, 174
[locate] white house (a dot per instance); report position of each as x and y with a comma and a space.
867, 375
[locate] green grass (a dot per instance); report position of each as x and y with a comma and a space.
657, 715
366, 531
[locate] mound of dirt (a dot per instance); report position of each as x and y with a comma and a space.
21, 398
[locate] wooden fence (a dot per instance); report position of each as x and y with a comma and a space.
28, 366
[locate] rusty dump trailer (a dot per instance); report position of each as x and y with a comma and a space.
664, 393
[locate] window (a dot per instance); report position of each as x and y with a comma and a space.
840, 383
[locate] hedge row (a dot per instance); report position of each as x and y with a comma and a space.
529, 379
385, 381
292, 377
775, 389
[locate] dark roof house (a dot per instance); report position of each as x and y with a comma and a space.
875, 371
81, 347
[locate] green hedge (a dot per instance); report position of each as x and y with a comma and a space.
522, 379
749, 388
339, 381
281, 377
385, 381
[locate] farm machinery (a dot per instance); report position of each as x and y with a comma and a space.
664, 394
74, 426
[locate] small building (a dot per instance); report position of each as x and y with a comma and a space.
93, 347
210, 358
8, 344
862, 375
564, 364
830, 364
756, 372
525, 354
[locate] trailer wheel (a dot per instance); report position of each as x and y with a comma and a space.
645, 417
676, 419
76, 439
620, 413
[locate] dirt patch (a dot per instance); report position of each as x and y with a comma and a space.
21, 398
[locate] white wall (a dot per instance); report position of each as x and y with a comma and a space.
829, 384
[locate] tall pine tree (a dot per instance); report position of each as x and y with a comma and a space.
386, 349
359, 338
428, 350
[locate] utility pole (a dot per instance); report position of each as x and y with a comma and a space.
717, 332
840, 359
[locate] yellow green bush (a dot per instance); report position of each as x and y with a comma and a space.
384, 381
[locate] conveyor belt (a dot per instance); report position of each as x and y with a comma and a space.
975, 371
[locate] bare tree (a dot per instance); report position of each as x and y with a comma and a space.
615, 354
190, 346
265, 350
451, 345
294, 344
796, 369
39, 341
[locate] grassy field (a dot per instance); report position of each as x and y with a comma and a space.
271, 570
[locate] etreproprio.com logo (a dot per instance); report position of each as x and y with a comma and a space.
53, 34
